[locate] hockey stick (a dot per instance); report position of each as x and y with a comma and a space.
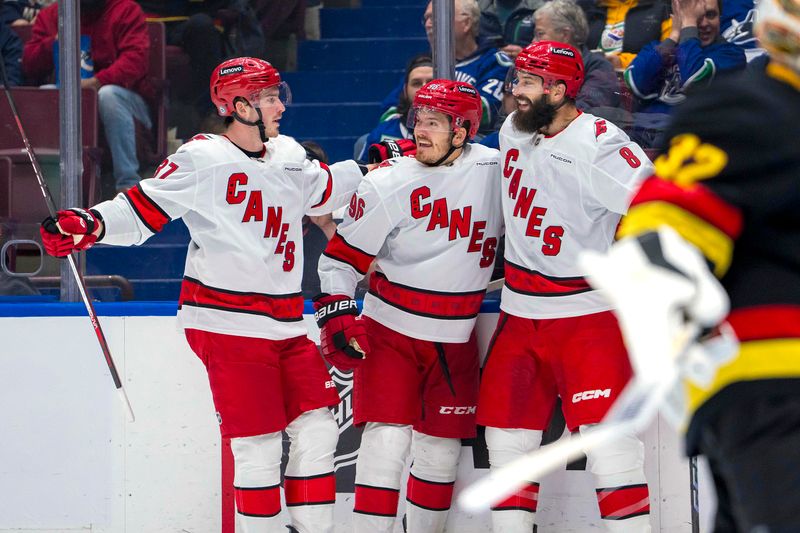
631, 413
48, 199
694, 493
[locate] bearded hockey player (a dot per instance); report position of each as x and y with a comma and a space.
431, 226
243, 196
567, 179
728, 190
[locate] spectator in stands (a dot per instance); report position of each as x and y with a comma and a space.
19, 12
483, 67
564, 21
691, 56
736, 25
620, 28
119, 49
11, 48
418, 72
190, 25
283, 23
507, 24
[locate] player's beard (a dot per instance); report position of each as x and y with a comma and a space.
539, 115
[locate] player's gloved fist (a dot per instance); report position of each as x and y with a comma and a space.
388, 149
70, 231
342, 334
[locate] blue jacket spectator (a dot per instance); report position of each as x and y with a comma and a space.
418, 72
662, 72
485, 68
11, 47
736, 25
507, 24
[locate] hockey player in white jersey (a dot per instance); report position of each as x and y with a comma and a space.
243, 195
431, 225
567, 179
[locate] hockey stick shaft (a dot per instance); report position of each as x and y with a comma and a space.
631, 413
694, 494
48, 199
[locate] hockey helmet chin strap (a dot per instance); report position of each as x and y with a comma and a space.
447, 154
262, 130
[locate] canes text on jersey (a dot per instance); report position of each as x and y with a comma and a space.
274, 227
524, 207
457, 221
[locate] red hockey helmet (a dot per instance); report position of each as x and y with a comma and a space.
553, 61
457, 99
244, 77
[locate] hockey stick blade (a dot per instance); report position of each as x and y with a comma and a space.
633, 410
631, 413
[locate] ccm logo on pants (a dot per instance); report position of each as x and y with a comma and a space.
590, 395
460, 410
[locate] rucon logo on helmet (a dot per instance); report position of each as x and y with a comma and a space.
563, 52
231, 70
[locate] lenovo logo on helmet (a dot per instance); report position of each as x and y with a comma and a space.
468, 90
231, 70
563, 52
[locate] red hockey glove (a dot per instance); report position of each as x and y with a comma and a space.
342, 334
388, 149
71, 231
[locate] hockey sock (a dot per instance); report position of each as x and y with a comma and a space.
516, 514
381, 458
622, 493
430, 482
256, 484
309, 485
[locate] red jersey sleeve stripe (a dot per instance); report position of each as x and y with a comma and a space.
146, 209
696, 199
341, 250
328, 188
766, 322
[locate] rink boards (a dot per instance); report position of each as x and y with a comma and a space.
70, 461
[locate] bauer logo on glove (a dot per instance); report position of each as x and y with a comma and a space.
384, 150
71, 230
343, 338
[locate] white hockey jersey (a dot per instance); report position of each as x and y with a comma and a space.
244, 265
433, 233
563, 194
